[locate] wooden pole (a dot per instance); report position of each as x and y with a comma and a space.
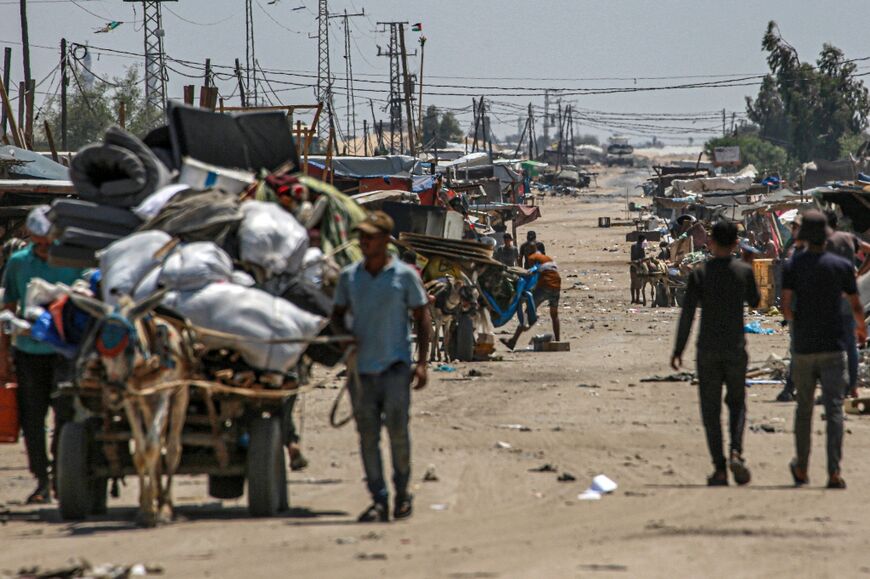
7, 106
25, 41
241, 84
50, 138
22, 103
64, 81
7, 71
28, 113
420, 101
122, 114
408, 98
366, 137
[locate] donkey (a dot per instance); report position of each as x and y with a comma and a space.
450, 295
146, 358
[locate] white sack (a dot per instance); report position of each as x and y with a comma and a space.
251, 314
127, 261
271, 238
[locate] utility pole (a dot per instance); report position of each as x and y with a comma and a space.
366, 137
155, 71
209, 80
25, 41
241, 84
324, 77
409, 91
546, 118
532, 142
250, 55
396, 91
724, 128
348, 75
420, 82
7, 72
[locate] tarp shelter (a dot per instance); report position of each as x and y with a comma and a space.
17, 163
854, 201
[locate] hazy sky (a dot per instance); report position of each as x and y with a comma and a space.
475, 43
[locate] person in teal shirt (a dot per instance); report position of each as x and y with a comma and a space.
36, 366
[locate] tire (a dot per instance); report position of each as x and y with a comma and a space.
464, 339
267, 474
74, 494
226, 487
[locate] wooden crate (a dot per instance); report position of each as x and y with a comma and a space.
557, 346
763, 270
768, 297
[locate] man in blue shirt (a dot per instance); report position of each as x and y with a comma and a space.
38, 368
379, 292
817, 280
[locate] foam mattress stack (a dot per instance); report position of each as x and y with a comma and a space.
110, 178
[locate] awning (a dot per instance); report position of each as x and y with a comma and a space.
526, 214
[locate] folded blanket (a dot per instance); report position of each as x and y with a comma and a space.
122, 171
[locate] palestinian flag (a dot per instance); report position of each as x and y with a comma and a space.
418, 27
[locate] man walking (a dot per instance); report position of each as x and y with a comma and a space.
817, 280
532, 245
38, 368
379, 292
507, 253
721, 285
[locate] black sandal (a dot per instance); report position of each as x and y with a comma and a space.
376, 513
404, 507
718, 479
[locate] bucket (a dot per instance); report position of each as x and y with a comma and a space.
9, 426
604, 222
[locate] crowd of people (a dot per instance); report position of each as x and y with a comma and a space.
820, 303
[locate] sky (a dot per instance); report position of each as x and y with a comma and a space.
506, 50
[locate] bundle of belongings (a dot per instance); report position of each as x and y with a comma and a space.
251, 266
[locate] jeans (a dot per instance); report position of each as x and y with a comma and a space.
714, 368
851, 343
384, 400
829, 368
38, 377
288, 426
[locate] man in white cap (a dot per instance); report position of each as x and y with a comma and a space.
37, 367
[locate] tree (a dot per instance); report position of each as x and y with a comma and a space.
807, 108
439, 129
90, 111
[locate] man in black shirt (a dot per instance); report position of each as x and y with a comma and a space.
532, 245
721, 285
817, 279
638, 251
507, 253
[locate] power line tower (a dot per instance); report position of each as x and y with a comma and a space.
348, 74
250, 55
396, 53
155, 71
324, 77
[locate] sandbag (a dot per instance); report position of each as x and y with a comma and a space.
252, 315
125, 263
191, 267
122, 171
271, 238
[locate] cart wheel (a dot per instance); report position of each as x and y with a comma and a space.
226, 487
464, 339
266, 470
73, 491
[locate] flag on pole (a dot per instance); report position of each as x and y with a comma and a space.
110, 26
418, 27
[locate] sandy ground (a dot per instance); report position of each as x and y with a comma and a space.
586, 411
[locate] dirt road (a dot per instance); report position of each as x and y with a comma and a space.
586, 411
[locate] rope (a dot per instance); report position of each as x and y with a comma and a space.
352, 380
315, 340
216, 387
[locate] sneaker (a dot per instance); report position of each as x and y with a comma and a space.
718, 479
404, 507
376, 513
741, 474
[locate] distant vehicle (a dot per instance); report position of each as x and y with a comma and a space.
619, 152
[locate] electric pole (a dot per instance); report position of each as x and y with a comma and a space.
324, 78
250, 55
348, 75
64, 82
546, 118
396, 90
155, 71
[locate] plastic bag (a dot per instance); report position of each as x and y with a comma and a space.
125, 263
271, 238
